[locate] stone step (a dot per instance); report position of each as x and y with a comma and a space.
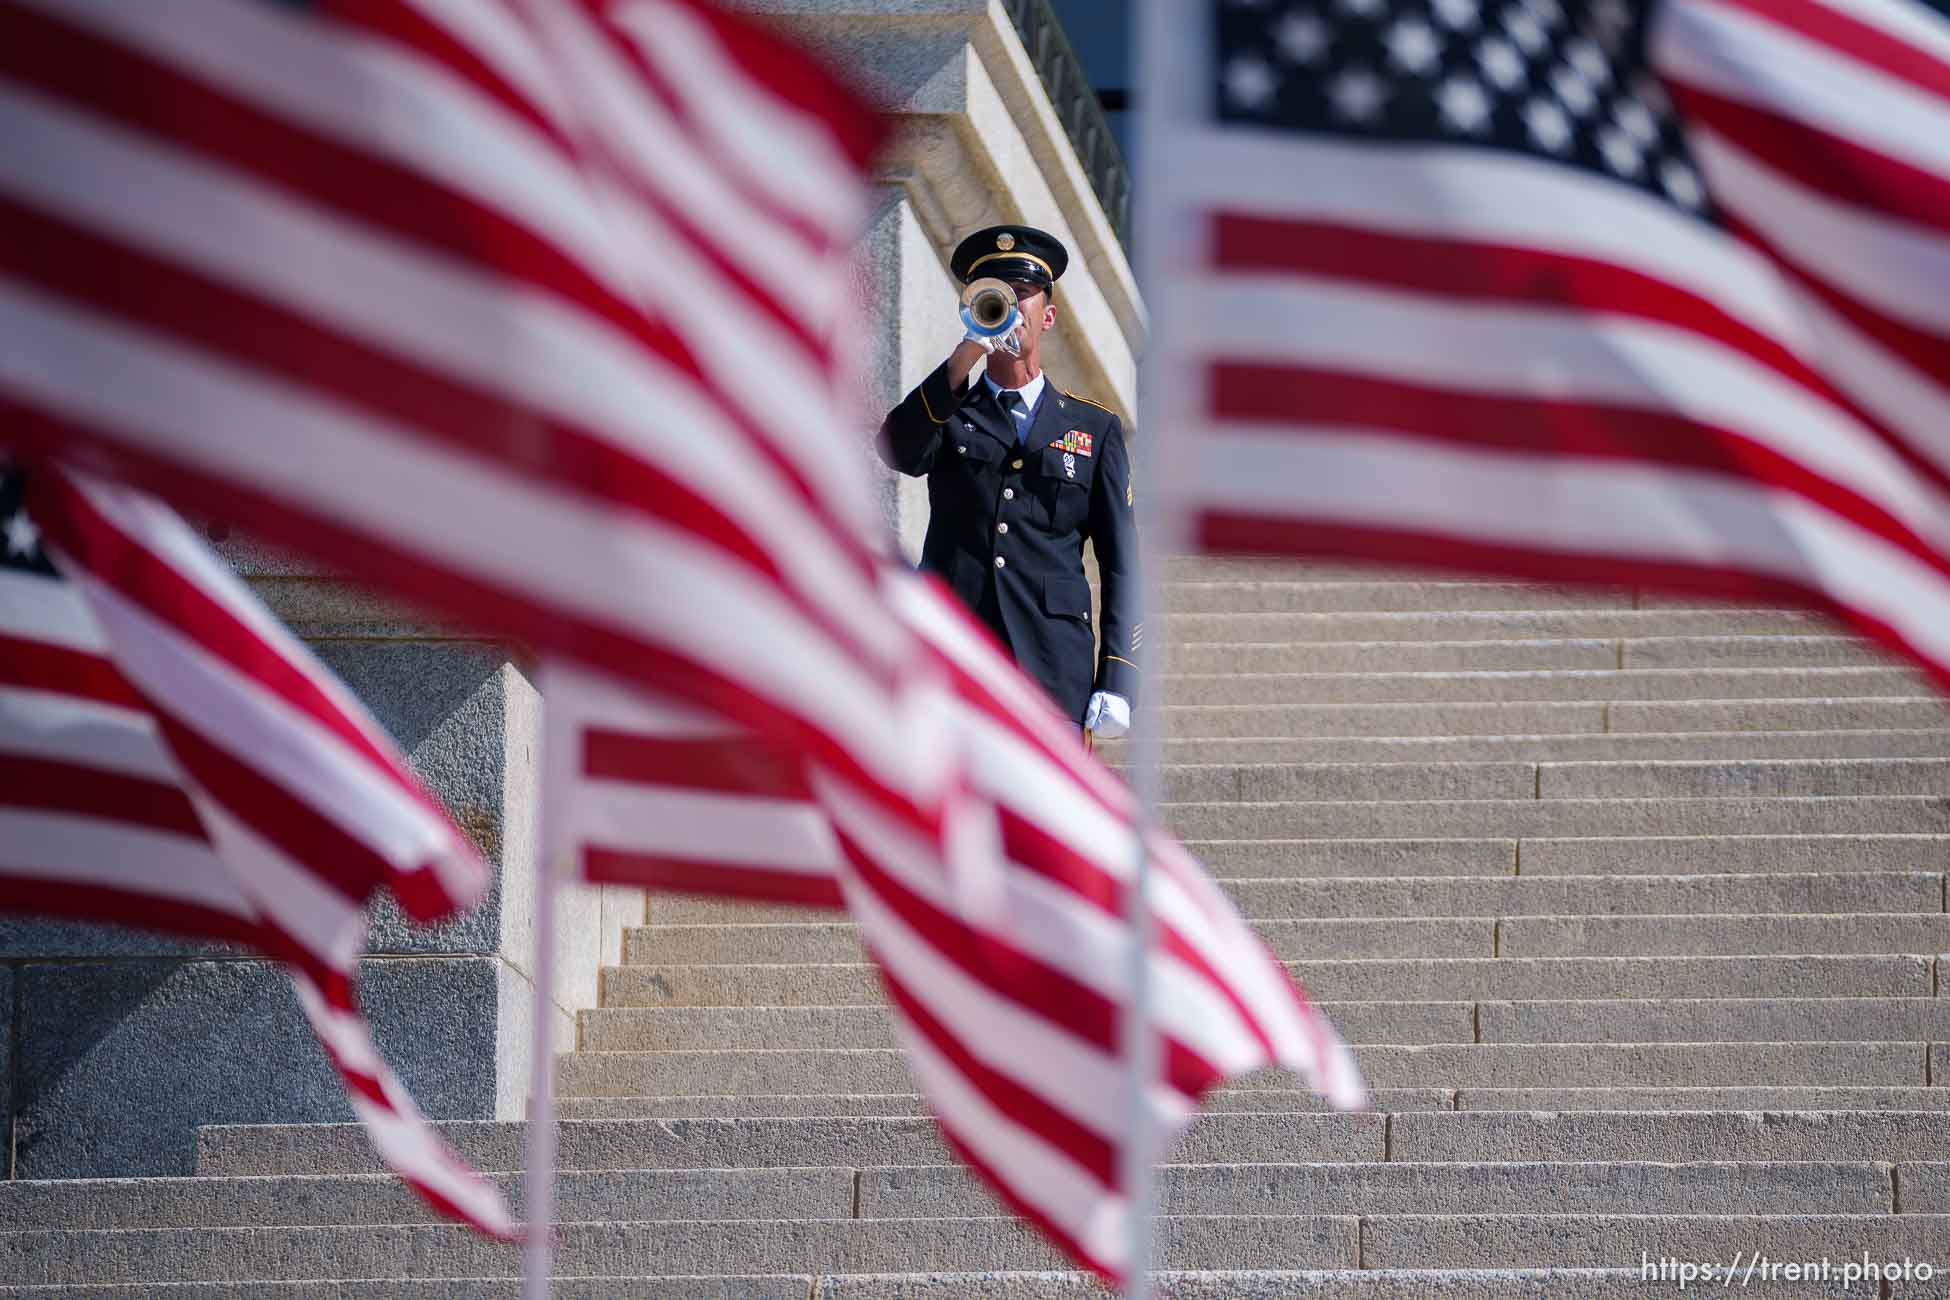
1386, 859
1608, 747
1757, 1098
720, 1287
1221, 1101
951, 1191
1634, 684
1193, 570
1378, 858
639, 1249
1723, 936
771, 945
1585, 717
1230, 782
1747, 651
259, 1150
1610, 779
1369, 597
836, 941
784, 1246
1477, 1241
790, 1028
1267, 1100
1341, 1284
710, 1071
1407, 656
1491, 625
1707, 1020
677, 1143
1547, 718
1560, 818
1653, 598
618, 1195
1519, 978
1495, 1124
1537, 654
1646, 1065
1382, 980
1662, 855
1776, 715
1439, 896
1442, 1065
768, 1105
1554, 895
1348, 940
1248, 568
1403, 1187
1673, 1135
1720, 779
837, 984
1677, 855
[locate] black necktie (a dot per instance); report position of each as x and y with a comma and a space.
1012, 403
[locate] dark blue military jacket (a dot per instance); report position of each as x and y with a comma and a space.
1008, 525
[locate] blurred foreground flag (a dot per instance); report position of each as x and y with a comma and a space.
524, 311
1007, 959
1645, 293
171, 758
640, 790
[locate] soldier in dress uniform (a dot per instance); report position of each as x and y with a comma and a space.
1020, 474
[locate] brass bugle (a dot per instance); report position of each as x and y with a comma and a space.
987, 305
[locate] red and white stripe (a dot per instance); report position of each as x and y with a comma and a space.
643, 791
1006, 957
514, 307
175, 760
265, 731
1453, 357
94, 820
1823, 128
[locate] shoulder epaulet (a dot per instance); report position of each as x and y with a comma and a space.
1086, 401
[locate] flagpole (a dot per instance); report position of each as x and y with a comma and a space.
538, 1180
1140, 1043
1165, 46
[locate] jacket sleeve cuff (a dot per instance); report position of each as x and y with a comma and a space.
1119, 676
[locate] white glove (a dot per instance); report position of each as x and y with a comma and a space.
1009, 340
1109, 716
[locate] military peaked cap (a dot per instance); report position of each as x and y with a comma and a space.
1010, 253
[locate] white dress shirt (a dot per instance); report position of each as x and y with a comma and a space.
1031, 393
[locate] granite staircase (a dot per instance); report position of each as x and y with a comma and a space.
1632, 907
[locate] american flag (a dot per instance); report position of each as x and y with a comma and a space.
1006, 959
514, 307
171, 758
1646, 293
638, 789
